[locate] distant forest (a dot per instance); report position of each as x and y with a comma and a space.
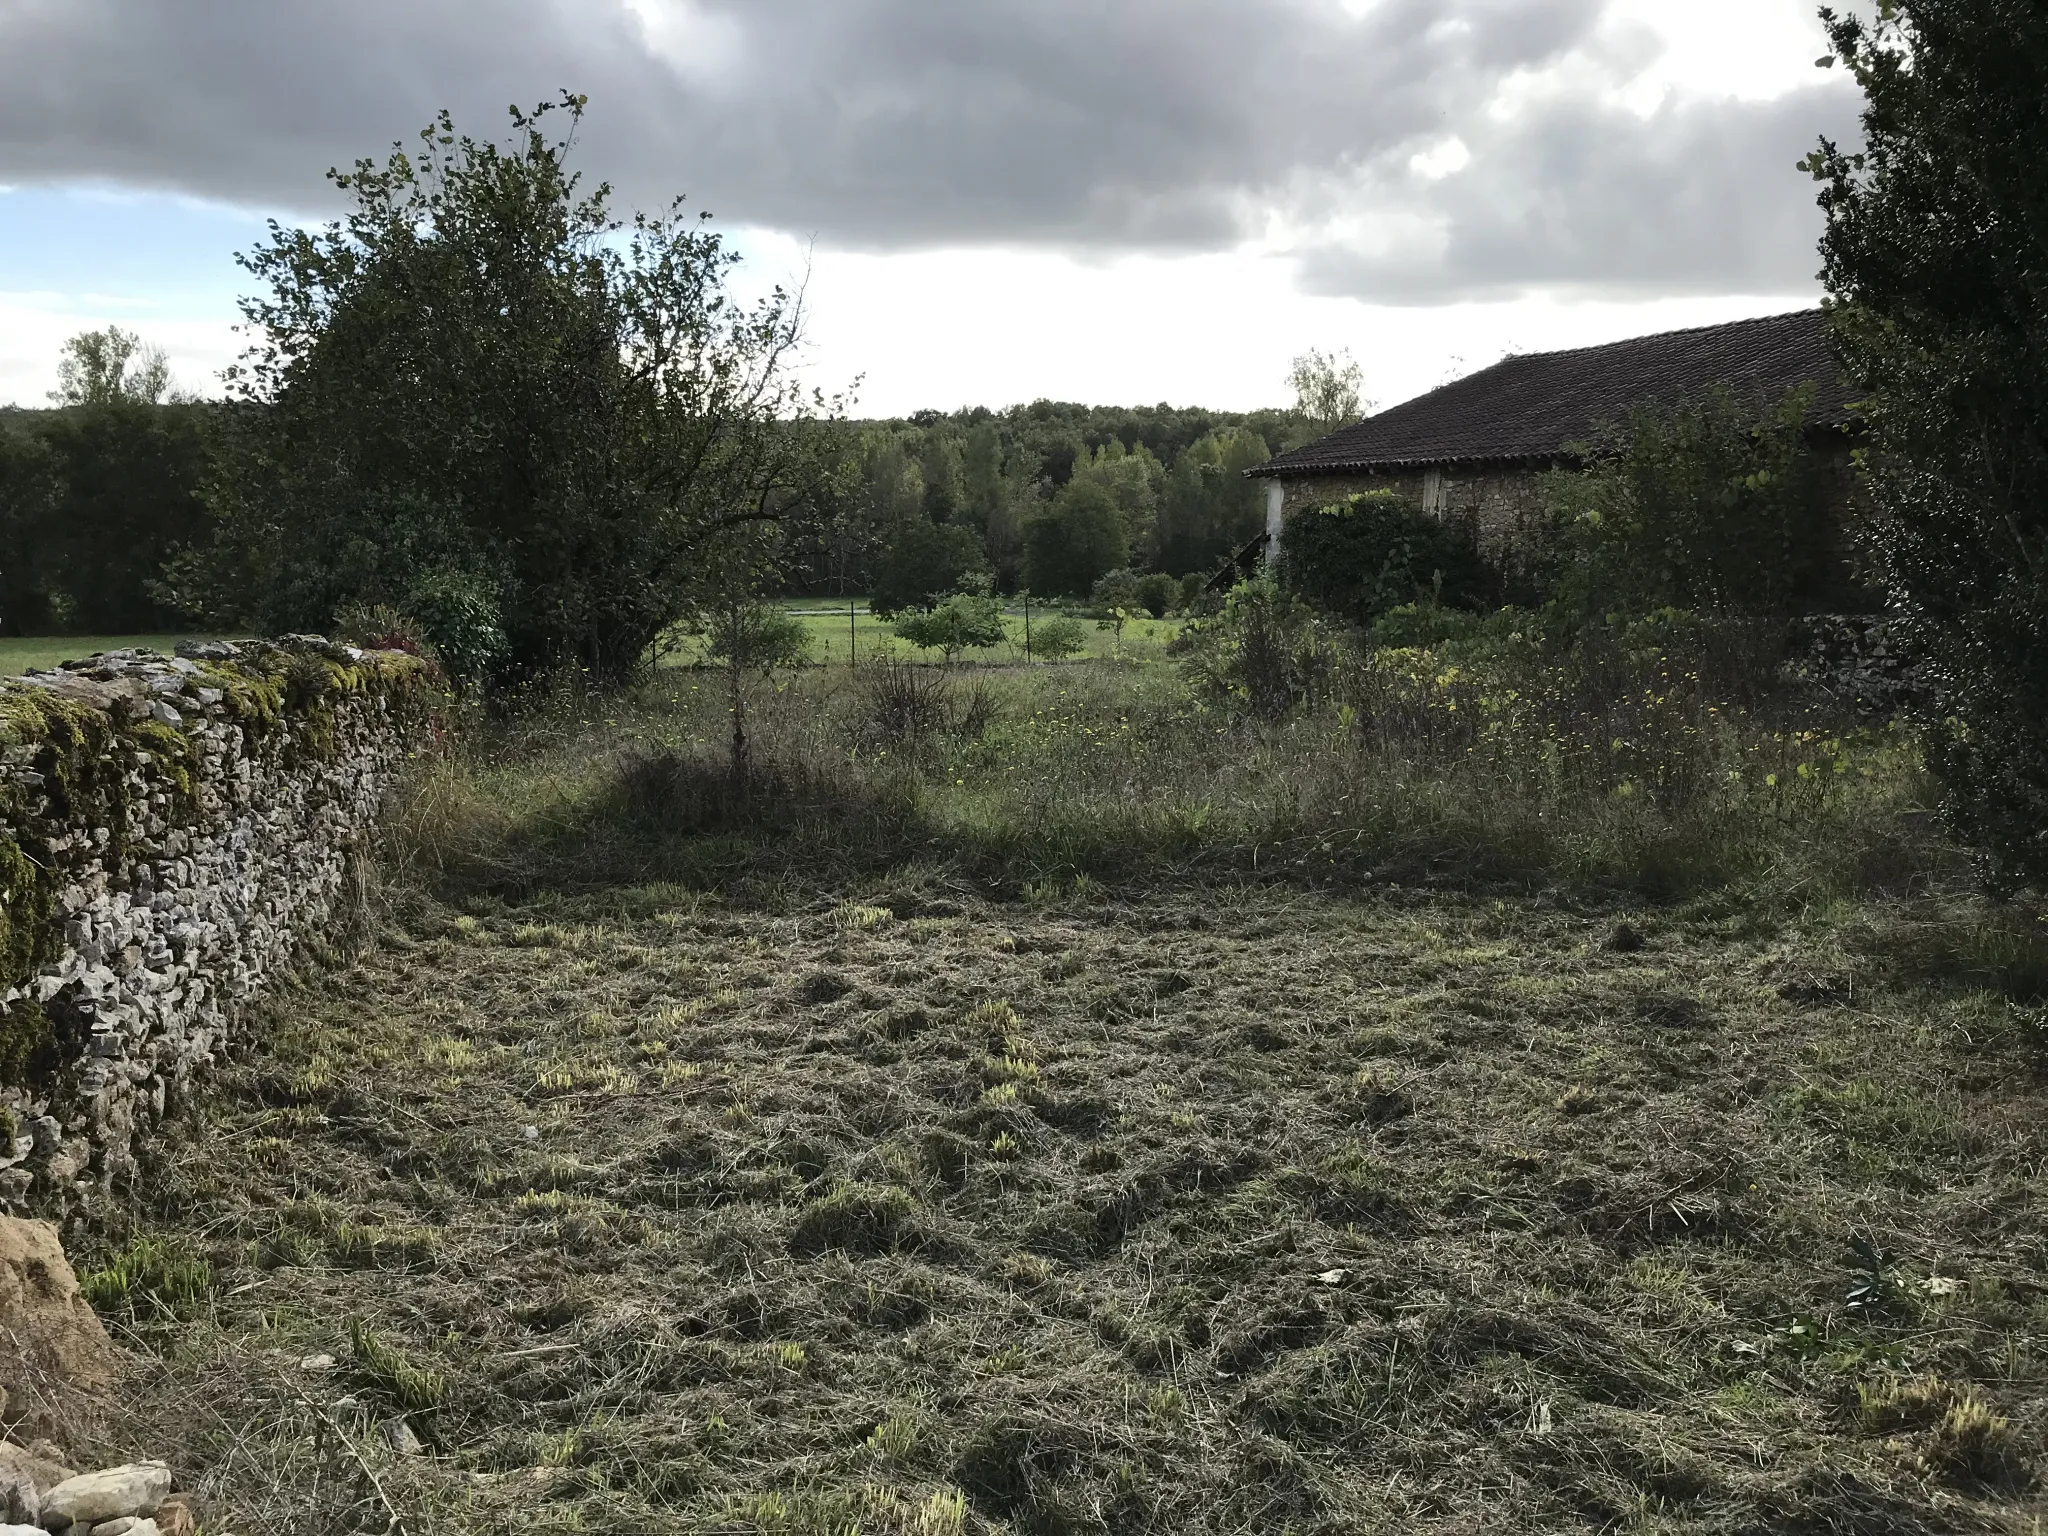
96, 495
1047, 496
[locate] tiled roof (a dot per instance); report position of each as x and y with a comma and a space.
1525, 408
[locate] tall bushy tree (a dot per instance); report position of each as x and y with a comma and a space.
490, 402
924, 564
28, 496
1069, 544
1326, 388
130, 478
1936, 260
1208, 509
111, 367
95, 494
1708, 503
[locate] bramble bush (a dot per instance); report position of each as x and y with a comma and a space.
1362, 556
1706, 504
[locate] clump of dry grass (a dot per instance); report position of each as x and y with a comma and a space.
1631, 777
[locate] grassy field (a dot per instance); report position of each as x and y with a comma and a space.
1090, 1111
18, 655
872, 639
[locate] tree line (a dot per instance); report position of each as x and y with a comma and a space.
97, 492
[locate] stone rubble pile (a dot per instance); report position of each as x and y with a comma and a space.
1860, 657
39, 1494
188, 820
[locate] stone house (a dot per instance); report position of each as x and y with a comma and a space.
1476, 449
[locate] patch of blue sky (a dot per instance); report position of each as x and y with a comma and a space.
107, 250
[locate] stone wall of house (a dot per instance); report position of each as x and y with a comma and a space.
1503, 506
170, 831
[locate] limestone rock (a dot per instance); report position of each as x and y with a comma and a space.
94, 1497
128, 1525
399, 1436
50, 1341
24, 1477
20, 1502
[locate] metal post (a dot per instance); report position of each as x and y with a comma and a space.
852, 654
1027, 626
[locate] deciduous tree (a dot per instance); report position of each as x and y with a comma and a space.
1936, 261
483, 379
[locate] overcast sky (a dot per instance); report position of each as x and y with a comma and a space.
1105, 200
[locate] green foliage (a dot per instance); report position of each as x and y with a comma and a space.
1707, 504
924, 562
1266, 653
1371, 553
1132, 479
1058, 637
384, 1368
29, 487
1115, 589
93, 499
758, 636
962, 622
1070, 543
111, 367
1933, 255
152, 1277
993, 472
487, 402
1157, 593
1326, 391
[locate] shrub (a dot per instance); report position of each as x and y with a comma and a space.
1113, 590
1377, 551
1708, 504
1058, 637
1157, 594
962, 622
906, 705
1265, 653
757, 636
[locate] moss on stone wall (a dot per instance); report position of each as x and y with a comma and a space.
82, 756
28, 1043
26, 906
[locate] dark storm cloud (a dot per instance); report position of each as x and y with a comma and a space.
1700, 197
1175, 124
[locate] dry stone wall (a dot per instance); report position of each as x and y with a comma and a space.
171, 829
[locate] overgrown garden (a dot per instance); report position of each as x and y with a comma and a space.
1439, 1044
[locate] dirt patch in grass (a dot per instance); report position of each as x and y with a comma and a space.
1226, 1212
